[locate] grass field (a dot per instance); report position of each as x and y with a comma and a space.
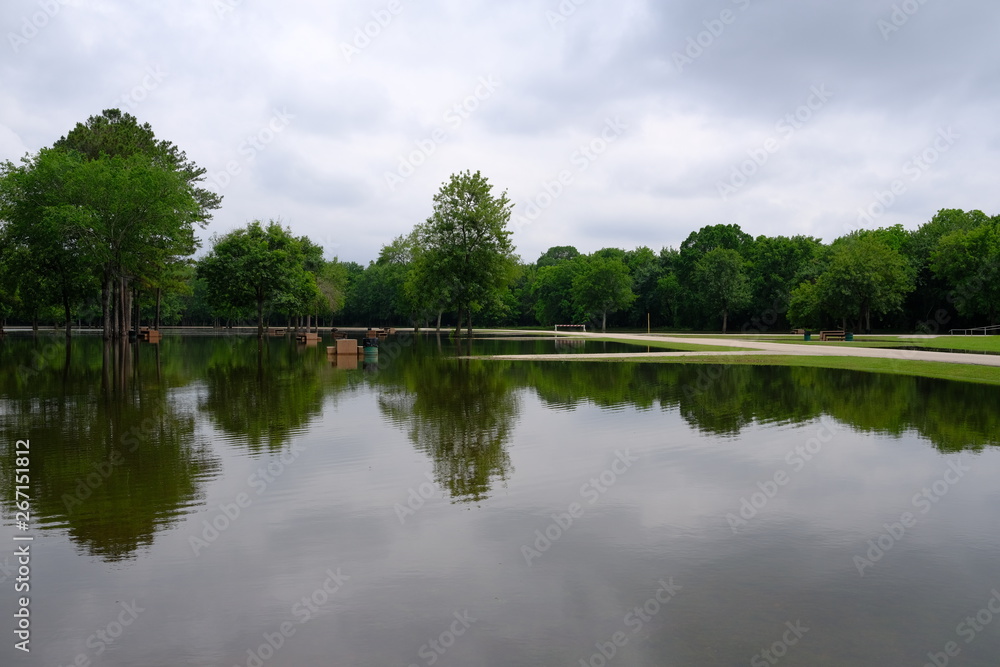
970, 343
931, 369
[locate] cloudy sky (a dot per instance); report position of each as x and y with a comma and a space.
620, 123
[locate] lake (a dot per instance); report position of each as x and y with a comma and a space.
212, 501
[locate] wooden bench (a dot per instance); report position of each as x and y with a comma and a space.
832, 335
277, 332
307, 337
798, 332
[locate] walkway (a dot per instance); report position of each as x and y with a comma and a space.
751, 347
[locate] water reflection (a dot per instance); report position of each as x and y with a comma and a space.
261, 393
119, 432
460, 413
110, 466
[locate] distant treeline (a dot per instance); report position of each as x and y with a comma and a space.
99, 229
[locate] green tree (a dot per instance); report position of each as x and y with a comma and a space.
557, 254
864, 276
775, 266
465, 244
969, 260
552, 291
603, 285
252, 267
44, 243
722, 282
138, 200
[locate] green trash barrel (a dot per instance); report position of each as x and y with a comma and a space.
849, 336
807, 336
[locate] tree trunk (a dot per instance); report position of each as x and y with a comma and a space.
116, 310
69, 320
156, 318
725, 320
440, 312
260, 317
105, 305
468, 314
458, 326
604, 320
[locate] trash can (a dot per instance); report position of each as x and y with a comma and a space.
807, 336
849, 336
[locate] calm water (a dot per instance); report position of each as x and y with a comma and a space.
204, 501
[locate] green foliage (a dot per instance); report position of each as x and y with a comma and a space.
255, 266
602, 285
557, 254
465, 244
722, 281
864, 276
969, 260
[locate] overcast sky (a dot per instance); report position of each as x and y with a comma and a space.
621, 123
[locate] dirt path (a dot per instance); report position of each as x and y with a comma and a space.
755, 347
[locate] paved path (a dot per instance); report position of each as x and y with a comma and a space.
753, 347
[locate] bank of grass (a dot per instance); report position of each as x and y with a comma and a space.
931, 369
969, 343
652, 343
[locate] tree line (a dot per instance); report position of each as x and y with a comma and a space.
99, 229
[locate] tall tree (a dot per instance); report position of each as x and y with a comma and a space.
864, 276
465, 244
722, 281
969, 260
44, 234
252, 267
156, 200
603, 285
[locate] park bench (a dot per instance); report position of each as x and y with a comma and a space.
307, 337
277, 332
833, 335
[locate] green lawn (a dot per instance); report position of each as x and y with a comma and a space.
972, 343
931, 369
678, 347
